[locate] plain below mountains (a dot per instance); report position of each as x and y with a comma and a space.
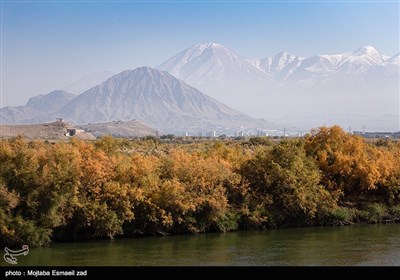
128, 129
57, 130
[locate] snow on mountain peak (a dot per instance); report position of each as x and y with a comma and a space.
207, 45
209, 49
281, 61
366, 50
282, 54
360, 60
211, 66
211, 62
199, 52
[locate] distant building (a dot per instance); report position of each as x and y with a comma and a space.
262, 133
212, 133
74, 131
377, 135
71, 132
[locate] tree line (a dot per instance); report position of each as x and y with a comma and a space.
124, 188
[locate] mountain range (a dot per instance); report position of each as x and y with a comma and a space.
153, 96
212, 67
294, 89
197, 89
215, 70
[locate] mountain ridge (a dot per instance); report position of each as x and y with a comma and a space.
50, 102
360, 81
188, 64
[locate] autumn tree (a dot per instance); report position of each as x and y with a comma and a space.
287, 184
348, 164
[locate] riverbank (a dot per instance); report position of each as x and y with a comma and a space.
111, 188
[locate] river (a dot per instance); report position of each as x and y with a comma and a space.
351, 245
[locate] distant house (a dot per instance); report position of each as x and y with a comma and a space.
71, 132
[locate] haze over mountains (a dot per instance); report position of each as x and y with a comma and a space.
88, 82
215, 70
50, 102
355, 88
158, 99
36, 109
152, 96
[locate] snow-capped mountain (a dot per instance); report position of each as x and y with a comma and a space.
360, 60
294, 68
158, 99
214, 69
280, 65
88, 82
287, 86
360, 86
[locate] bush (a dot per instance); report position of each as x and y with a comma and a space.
340, 216
117, 187
373, 213
395, 212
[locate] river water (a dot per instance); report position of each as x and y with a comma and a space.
351, 245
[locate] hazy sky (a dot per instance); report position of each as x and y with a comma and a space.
47, 45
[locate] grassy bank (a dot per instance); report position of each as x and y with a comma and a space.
118, 187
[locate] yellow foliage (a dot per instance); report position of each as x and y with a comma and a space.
347, 162
126, 187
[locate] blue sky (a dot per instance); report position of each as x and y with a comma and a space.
49, 44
